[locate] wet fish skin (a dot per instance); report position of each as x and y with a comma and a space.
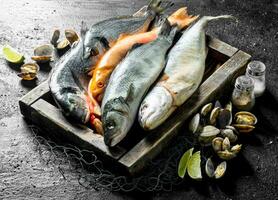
182, 76
65, 85
129, 82
69, 77
117, 52
136, 23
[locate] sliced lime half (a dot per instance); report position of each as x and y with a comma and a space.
194, 166
12, 55
183, 162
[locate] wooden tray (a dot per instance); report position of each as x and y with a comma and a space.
224, 63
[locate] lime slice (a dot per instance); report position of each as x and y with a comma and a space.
12, 55
194, 166
183, 162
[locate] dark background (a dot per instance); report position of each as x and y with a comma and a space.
25, 24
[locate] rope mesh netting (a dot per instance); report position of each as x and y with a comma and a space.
160, 173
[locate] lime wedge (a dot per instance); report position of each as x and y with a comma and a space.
194, 166
12, 55
183, 162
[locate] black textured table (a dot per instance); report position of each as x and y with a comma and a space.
25, 24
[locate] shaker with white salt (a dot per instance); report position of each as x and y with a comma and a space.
256, 71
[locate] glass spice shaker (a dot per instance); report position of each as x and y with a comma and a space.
243, 97
256, 71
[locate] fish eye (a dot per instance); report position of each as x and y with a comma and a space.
100, 84
110, 125
71, 100
94, 52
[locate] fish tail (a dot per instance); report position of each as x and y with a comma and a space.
204, 20
210, 18
166, 29
181, 18
159, 6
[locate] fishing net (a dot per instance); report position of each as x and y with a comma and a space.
160, 173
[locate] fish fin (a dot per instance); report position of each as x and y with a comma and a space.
80, 82
130, 93
164, 77
93, 105
178, 89
159, 6
123, 17
141, 12
90, 72
204, 20
84, 29
167, 30
105, 42
159, 21
181, 18
165, 26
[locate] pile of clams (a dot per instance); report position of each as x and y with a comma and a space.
216, 126
70, 38
44, 53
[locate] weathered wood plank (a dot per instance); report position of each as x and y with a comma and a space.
27, 100
152, 144
51, 119
220, 49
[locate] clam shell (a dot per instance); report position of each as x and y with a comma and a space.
63, 44
236, 149
220, 170
229, 133
214, 115
30, 67
71, 36
224, 118
226, 144
206, 109
55, 37
226, 155
41, 59
209, 168
233, 129
43, 53
27, 75
217, 144
28, 71
245, 118
194, 124
229, 106
208, 134
243, 128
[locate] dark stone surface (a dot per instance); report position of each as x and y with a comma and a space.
25, 24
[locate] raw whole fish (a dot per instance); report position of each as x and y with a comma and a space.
182, 76
68, 82
118, 51
130, 81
